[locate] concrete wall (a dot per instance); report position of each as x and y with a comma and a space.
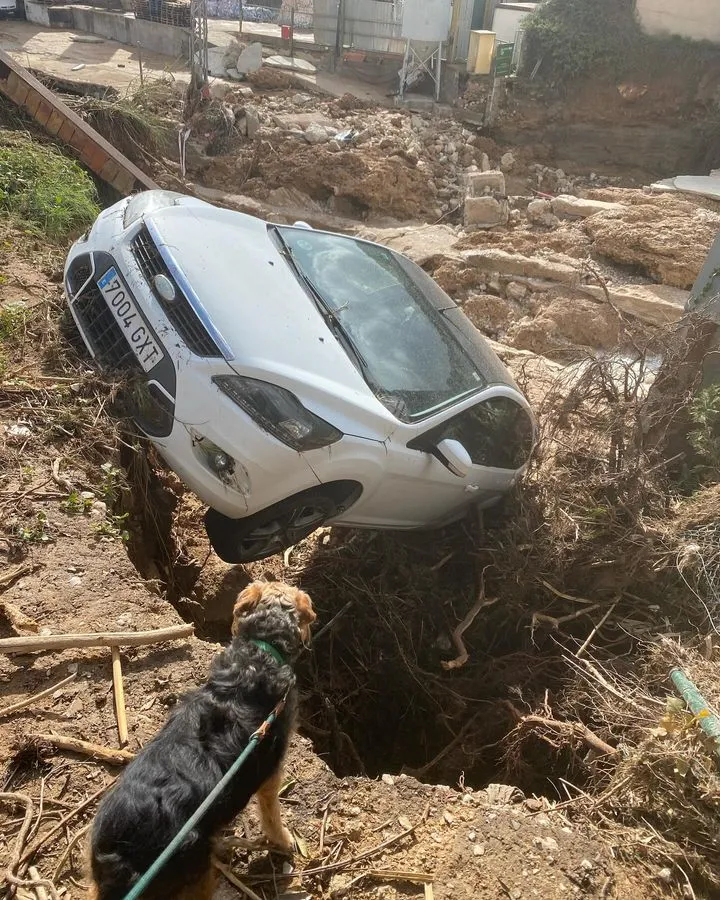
38, 13
125, 28
507, 20
698, 19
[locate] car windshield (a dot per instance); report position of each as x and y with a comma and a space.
392, 315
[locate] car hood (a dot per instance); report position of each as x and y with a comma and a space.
266, 318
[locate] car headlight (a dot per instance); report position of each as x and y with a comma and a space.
279, 412
147, 201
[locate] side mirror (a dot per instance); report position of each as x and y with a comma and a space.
456, 457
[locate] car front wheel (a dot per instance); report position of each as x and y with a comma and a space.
278, 527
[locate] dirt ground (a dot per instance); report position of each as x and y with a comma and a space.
65, 571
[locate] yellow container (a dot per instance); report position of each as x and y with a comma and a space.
480, 52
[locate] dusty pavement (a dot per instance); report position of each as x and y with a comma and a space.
53, 51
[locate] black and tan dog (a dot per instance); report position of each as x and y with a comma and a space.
201, 739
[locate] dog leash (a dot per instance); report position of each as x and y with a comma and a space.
174, 845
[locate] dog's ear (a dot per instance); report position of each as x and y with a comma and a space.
246, 602
305, 613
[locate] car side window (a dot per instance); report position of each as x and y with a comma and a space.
497, 433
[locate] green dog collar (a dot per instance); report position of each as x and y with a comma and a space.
268, 648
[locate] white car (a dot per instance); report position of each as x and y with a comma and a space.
294, 377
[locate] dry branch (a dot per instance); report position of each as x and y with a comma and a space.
31, 851
565, 729
30, 701
86, 748
119, 695
41, 643
458, 632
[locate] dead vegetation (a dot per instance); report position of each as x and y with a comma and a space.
572, 611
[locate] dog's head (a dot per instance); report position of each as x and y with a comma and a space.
261, 594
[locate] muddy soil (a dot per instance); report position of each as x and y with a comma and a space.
67, 569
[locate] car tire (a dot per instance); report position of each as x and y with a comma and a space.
278, 527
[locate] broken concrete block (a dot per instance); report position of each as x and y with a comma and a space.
234, 75
567, 205
250, 60
507, 161
480, 182
485, 212
317, 134
503, 263
658, 304
538, 210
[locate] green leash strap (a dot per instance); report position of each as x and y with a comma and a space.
175, 843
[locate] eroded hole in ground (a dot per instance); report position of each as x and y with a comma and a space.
376, 696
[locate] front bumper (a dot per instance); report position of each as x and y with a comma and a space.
186, 416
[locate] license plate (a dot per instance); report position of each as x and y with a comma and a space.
136, 333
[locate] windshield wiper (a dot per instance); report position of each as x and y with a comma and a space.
324, 308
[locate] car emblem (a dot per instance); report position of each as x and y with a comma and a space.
165, 288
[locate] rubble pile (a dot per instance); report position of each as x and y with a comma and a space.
578, 263
371, 153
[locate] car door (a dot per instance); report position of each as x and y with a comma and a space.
420, 487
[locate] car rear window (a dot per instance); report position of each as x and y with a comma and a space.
415, 359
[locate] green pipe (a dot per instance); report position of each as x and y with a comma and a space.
698, 705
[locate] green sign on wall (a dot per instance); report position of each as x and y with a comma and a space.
503, 59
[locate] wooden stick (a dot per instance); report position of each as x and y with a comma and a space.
234, 880
42, 642
119, 691
29, 701
85, 748
589, 639
429, 893
38, 886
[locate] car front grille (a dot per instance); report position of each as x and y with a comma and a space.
102, 330
146, 403
78, 273
180, 313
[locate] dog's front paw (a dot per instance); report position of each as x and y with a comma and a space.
284, 840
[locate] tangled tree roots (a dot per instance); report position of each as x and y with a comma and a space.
564, 687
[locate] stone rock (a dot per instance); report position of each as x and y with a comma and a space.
485, 212
507, 161
667, 237
658, 304
564, 324
481, 182
567, 205
487, 312
425, 245
515, 292
540, 212
503, 263
252, 119
316, 134
548, 844
250, 60
485, 163
234, 75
